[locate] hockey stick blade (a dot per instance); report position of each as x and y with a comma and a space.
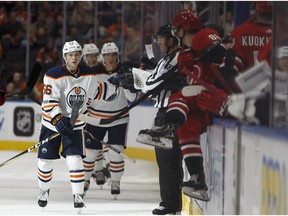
74, 115
35, 72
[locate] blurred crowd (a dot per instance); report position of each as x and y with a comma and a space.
46, 31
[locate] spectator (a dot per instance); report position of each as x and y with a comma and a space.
229, 24
57, 31
114, 31
40, 22
74, 34
132, 46
148, 31
20, 12
12, 26
84, 9
48, 55
3, 15
17, 83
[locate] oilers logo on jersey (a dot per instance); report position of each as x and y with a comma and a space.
76, 93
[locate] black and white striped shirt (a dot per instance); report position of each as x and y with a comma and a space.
165, 68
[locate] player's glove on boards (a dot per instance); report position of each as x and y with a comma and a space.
62, 124
215, 103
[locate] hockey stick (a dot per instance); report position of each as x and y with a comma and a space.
30, 149
202, 82
74, 115
111, 147
211, 47
35, 72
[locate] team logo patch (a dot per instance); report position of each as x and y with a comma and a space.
23, 121
44, 150
77, 93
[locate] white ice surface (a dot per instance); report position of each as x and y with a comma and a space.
19, 189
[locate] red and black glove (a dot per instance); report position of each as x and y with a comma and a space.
2, 97
215, 102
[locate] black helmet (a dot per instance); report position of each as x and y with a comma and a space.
165, 31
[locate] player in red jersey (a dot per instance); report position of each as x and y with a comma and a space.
249, 38
252, 36
183, 117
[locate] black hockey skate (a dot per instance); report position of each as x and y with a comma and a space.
162, 210
43, 198
196, 188
115, 188
160, 138
100, 178
78, 202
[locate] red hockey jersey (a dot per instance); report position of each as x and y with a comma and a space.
250, 37
201, 41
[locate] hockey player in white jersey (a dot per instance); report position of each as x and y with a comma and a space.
91, 57
116, 131
63, 85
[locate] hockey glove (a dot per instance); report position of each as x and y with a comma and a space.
149, 64
62, 124
124, 80
211, 102
2, 97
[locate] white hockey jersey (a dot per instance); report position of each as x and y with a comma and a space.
114, 104
61, 88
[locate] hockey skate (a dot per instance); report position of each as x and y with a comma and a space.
195, 188
163, 137
43, 198
100, 178
78, 202
162, 210
86, 186
115, 188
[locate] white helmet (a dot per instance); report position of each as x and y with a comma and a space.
109, 48
89, 49
71, 46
